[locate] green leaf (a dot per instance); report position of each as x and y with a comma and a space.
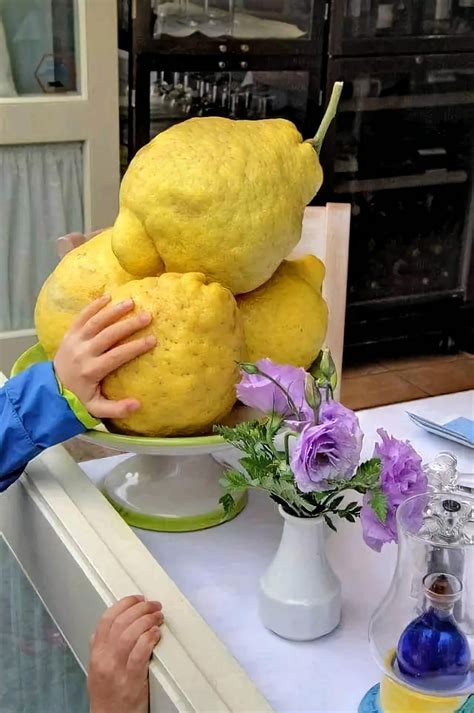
318, 496
228, 503
367, 476
273, 425
234, 480
352, 506
379, 504
330, 523
334, 504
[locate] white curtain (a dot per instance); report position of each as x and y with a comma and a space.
41, 198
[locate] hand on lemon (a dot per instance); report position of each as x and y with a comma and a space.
92, 349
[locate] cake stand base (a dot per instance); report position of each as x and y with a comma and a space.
369, 703
169, 493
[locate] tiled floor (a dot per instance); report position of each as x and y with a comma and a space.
392, 381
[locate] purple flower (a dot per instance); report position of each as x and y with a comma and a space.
328, 451
402, 476
377, 533
402, 473
262, 394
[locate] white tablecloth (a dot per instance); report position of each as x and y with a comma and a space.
218, 571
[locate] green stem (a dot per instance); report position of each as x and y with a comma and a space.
287, 448
290, 401
291, 507
328, 117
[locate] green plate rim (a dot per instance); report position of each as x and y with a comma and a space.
186, 523
36, 354
106, 437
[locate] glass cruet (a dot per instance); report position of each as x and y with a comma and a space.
422, 634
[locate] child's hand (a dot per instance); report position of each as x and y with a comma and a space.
120, 654
90, 351
69, 242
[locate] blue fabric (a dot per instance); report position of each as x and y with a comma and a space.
33, 416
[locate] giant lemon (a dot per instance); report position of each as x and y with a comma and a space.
218, 196
187, 382
82, 276
286, 319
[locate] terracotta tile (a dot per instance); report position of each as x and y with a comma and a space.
442, 378
468, 355
351, 372
401, 363
378, 390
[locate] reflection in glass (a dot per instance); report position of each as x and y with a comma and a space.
398, 18
175, 96
244, 19
39, 673
123, 12
404, 152
40, 45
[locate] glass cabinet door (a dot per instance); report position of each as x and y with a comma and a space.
381, 18
371, 25
176, 96
59, 150
167, 97
241, 19
404, 159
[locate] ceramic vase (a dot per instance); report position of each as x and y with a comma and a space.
300, 596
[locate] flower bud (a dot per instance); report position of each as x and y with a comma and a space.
311, 392
323, 369
249, 368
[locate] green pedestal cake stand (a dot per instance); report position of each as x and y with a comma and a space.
168, 484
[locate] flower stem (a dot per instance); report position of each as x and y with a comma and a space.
291, 403
329, 115
287, 448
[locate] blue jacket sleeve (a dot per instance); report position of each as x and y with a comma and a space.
33, 416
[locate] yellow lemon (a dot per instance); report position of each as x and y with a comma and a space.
187, 382
286, 319
218, 196
82, 276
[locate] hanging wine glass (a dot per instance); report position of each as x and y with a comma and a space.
231, 16
189, 18
209, 12
217, 22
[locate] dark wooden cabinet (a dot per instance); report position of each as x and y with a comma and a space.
402, 153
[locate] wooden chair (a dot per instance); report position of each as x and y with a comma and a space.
326, 235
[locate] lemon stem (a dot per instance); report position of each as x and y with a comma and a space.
329, 115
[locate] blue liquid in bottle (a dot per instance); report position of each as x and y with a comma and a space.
432, 648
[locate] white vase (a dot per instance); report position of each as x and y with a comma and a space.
300, 596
